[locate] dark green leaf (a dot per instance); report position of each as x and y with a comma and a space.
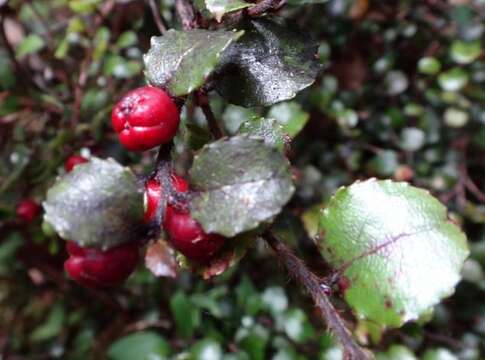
397, 251
98, 204
52, 326
240, 183
206, 349
186, 315
143, 345
181, 61
269, 63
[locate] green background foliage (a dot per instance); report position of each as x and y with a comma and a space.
399, 95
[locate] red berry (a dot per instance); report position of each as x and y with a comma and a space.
188, 237
152, 198
144, 118
186, 234
153, 194
74, 160
97, 268
27, 210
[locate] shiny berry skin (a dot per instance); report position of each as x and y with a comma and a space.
96, 268
153, 194
186, 234
27, 210
144, 118
74, 160
152, 198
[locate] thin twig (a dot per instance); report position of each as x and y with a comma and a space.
264, 6
186, 14
311, 282
214, 127
256, 10
157, 17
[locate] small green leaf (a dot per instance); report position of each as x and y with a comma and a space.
52, 326
429, 65
291, 116
84, 6
465, 52
269, 63
296, 326
143, 345
453, 80
439, 354
266, 129
219, 8
395, 247
127, 39
101, 41
239, 182
206, 349
186, 315
29, 45
98, 204
397, 352
181, 61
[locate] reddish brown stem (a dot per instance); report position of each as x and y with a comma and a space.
157, 17
214, 127
311, 282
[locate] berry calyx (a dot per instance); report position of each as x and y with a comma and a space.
73, 161
186, 234
96, 268
27, 210
144, 118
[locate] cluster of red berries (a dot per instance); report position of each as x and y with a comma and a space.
144, 118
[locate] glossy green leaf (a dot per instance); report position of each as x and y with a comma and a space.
206, 349
219, 8
453, 80
98, 204
429, 65
396, 249
266, 129
239, 183
181, 61
465, 52
143, 345
290, 115
269, 63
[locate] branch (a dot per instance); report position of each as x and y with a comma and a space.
203, 102
258, 9
157, 17
186, 14
264, 6
311, 283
